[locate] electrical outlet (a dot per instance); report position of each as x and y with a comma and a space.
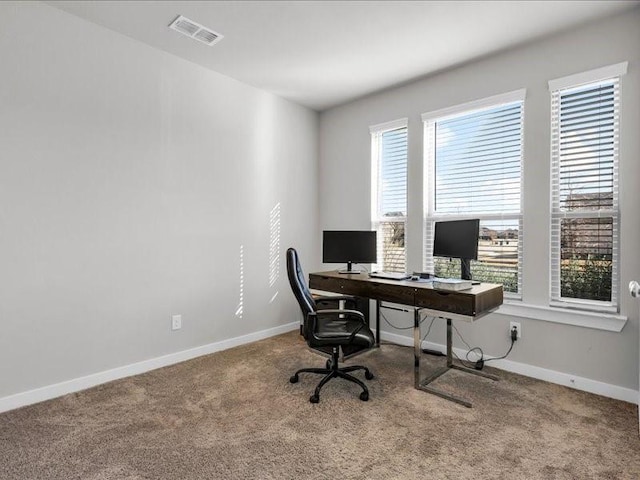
176, 322
517, 326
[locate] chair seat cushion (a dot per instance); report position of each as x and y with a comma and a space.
338, 332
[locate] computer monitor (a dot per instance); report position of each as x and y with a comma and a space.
457, 239
349, 246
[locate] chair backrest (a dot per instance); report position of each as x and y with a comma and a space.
299, 284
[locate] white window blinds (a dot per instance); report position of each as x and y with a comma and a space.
393, 173
477, 162
584, 177
389, 193
474, 170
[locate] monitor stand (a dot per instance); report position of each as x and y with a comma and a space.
465, 269
348, 269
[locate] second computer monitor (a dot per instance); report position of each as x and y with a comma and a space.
349, 246
457, 239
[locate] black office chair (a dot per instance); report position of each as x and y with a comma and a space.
332, 328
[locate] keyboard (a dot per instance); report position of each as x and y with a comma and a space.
390, 275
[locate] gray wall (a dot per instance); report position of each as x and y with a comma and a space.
129, 180
345, 172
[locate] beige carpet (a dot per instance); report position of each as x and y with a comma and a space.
234, 415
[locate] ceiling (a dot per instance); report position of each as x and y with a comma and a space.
324, 53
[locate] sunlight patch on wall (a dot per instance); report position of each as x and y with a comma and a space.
240, 308
274, 245
274, 297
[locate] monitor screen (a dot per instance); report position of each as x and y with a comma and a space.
349, 246
457, 239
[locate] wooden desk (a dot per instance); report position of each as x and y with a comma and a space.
466, 305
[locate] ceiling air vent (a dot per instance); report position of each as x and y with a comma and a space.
195, 30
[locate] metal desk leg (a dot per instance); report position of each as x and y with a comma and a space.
424, 385
449, 344
416, 348
377, 323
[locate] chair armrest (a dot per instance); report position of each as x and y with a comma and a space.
320, 298
336, 314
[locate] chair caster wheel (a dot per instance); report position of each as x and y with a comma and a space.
368, 375
294, 379
364, 396
315, 398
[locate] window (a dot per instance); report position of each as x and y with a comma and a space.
473, 169
389, 193
584, 189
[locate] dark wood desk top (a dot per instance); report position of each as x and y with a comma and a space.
479, 299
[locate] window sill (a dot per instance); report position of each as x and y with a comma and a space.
599, 321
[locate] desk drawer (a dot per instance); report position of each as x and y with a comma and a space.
387, 292
395, 293
453, 302
345, 287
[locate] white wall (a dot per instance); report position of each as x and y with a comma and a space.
129, 180
594, 355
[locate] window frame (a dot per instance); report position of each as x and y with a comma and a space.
376, 132
430, 120
610, 73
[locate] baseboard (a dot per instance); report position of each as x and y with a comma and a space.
56, 390
552, 376
75, 385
